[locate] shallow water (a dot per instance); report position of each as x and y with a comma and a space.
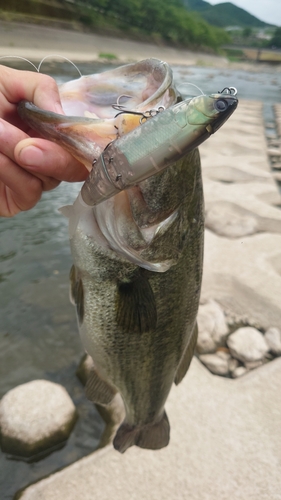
38, 332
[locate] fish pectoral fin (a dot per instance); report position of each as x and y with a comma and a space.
151, 436
98, 390
77, 293
187, 356
135, 305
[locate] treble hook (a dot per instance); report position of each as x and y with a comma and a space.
229, 90
143, 115
122, 109
118, 105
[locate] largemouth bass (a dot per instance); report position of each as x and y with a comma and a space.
138, 255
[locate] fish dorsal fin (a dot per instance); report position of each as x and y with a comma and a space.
187, 356
98, 390
135, 305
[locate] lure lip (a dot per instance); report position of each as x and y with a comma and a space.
219, 105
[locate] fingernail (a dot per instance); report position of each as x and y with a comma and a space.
31, 156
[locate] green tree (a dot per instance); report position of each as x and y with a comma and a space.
247, 32
276, 39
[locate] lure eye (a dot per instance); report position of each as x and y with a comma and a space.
221, 105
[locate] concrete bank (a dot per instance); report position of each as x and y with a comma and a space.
225, 439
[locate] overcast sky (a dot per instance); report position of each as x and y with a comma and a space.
268, 11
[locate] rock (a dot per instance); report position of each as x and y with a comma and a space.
212, 327
35, 417
239, 371
247, 344
276, 166
251, 365
273, 339
223, 354
216, 364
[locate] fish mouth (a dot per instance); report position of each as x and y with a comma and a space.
91, 104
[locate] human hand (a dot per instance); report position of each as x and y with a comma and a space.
29, 165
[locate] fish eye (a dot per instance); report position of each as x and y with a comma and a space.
221, 105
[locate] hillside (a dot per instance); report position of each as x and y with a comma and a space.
224, 14
161, 21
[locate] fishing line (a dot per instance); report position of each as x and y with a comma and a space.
42, 60
63, 57
193, 85
19, 57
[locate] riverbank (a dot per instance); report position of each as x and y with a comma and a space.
225, 433
35, 42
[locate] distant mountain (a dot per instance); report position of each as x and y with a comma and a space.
224, 14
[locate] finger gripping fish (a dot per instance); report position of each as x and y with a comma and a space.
136, 235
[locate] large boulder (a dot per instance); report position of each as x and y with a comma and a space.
35, 417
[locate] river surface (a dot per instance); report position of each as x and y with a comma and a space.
38, 332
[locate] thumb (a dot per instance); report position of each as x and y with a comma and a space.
40, 156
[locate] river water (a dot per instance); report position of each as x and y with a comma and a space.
38, 332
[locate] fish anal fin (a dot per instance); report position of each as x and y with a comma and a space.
151, 436
187, 356
135, 306
98, 390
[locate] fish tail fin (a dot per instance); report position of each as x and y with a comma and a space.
152, 437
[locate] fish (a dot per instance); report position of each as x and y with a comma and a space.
138, 253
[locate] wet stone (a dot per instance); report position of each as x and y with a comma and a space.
35, 417
212, 327
247, 345
273, 339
